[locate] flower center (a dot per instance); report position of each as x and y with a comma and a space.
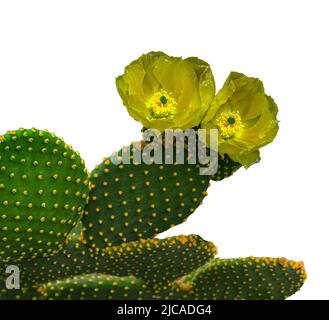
229, 124
161, 105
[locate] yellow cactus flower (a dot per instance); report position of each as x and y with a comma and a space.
244, 118
164, 92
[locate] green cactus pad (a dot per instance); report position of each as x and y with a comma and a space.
94, 287
43, 191
156, 261
21, 294
135, 201
226, 167
72, 260
243, 278
160, 261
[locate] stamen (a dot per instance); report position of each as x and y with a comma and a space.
229, 124
161, 105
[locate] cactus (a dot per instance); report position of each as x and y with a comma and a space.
242, 278
135, 201
160, 261
94, 287
67, 247
226, 168
43, 191
85, 266
147, 198
157, 261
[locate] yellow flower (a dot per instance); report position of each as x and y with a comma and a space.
164, 92
245, 118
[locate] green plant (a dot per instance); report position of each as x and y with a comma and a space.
132, 265
80, 236
44, 188
147, 199
243, 278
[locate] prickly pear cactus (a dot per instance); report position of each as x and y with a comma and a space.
131, 201
68, 248
110, 253
43, 191
94, 287
157, 261
226, 168
135, 201
243, 278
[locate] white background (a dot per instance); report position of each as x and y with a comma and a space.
59, 59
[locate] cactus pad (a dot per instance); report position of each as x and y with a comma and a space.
134, 201
226, 167
160, 261
93, 287
43, 191
244, 278
157, 261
